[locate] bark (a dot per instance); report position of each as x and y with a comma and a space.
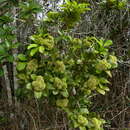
7, 85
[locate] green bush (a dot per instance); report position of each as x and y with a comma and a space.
66, 70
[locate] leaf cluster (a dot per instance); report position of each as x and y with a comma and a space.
7, 38
68, 81
69, 14
67, 70
114, 4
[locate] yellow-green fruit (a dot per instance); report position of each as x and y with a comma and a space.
91, 83
62, 102
82, 120
64, 85
50, 38
32, 65
87, 43
48, 42
97, 123
22, 76
71, 62
76, 41
59, 66
87, 91
39, 84
58, 83
103, 65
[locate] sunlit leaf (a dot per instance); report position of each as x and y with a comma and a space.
41, 49
108, 43
101, 91
21, 66
32, 46
22, 57
33, 51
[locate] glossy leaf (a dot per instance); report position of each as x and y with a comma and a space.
41, 49
32, 46
33, 51
21, 66
22, 57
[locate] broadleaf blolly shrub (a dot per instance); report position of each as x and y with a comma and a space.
67, 71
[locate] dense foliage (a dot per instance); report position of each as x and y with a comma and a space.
67, 70
56, 65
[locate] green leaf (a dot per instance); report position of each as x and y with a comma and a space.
33, 76
101, 91
21, 66
10, 58
64, 93
1, 72
104, 81
55, 92
62, 102
41, 49
2, 57
32, 37
16, 44
7, 44
2, 1
76, 124
22, 57
32, 46
67, 1
37, 95
108, 43
106, 88
33, 51
98, 41
2, 50
109, 73
82, 128
29, 86
84, 111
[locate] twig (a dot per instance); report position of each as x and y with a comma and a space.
120, 113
